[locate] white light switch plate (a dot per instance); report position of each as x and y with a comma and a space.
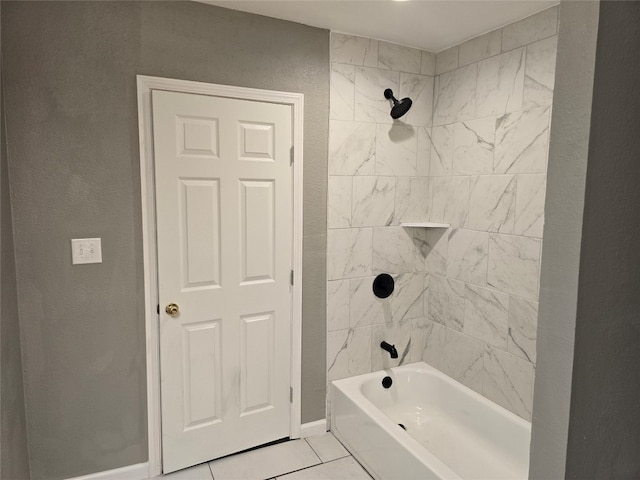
86, 250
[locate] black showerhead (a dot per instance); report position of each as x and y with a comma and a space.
400, 107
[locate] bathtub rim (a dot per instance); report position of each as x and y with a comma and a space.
350, 386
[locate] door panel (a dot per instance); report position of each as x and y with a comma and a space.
258, 231
202, 389
256, 370
256, 141
224, 234
200, 232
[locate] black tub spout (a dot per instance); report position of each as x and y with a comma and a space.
389, 348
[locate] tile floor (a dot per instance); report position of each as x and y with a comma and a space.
314, 458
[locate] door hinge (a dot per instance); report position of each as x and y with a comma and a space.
158, 309
290, 394
291, 277
292, 155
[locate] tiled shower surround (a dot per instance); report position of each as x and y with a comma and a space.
471, 152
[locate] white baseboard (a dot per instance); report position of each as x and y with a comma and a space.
311, 429
139, 471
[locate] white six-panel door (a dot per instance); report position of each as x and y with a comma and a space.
224, 235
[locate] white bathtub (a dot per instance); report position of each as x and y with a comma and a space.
451, 432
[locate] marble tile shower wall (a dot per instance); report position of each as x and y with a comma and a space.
472, 153
378, 177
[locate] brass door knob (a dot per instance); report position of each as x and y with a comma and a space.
173, 310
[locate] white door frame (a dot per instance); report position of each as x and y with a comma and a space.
147, 184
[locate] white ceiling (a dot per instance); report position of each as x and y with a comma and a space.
432, 25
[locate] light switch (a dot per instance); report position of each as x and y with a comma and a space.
86, 250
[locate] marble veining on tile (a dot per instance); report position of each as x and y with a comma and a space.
418, 338
481, 47
432, 247
530, 195
473, 145
424, 151
455, 95
339, 202
446, 302
393, 250
492, 203
349, 253
370, 104
434, 344
353, 50
399, 58
441, 150
521, 142
425, 295
406, 301
486, 315
352, 148
530, 29
342, 92
514, 265
540, 72
373, 201
508, 381
420, 89
337, 305
412, 199
364, 307
396, 150
348, 352
467, 256
501, 84
463, 359
523, 323
450, 200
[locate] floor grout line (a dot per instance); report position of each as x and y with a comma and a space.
320, 462
328, 432
313, 450
317, 465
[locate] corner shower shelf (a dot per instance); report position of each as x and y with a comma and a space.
425, 225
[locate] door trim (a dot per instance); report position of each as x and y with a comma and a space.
147, 189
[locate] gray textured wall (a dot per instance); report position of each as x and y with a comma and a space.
73, 144
604, 427
564, 206
14, 459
